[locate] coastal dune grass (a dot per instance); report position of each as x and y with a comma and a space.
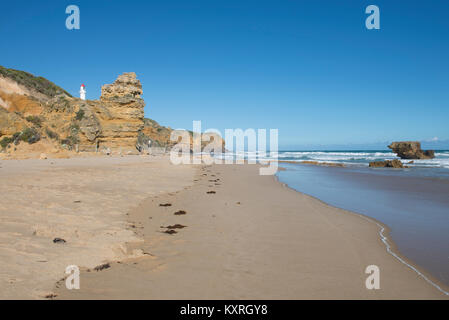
28, 80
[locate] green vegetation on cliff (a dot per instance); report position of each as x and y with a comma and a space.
30, 135
39, 84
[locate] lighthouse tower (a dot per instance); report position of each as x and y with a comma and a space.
83, 92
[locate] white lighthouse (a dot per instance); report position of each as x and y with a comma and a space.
83, 92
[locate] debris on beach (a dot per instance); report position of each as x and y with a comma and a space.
180, 212
102, 267
210, 192
50, 296
59, 240
170, 231
176, 226
165, 205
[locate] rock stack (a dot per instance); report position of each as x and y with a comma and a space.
123, 120
411, 150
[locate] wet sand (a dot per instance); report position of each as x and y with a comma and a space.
413, 203
235, 234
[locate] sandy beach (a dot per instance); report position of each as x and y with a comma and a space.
83, 201
233, 234
239, 236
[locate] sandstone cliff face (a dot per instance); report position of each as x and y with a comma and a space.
411, 150
123, 119
38, 116
11, 123
160, 136
112, 123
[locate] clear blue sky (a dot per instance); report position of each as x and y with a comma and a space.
309, 68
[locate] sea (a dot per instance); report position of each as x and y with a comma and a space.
363, 158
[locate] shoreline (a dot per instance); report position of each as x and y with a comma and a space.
385, 237
411, 204
154, 240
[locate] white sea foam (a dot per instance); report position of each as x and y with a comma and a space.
363, 158
390, 251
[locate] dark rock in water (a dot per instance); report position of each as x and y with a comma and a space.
386, 164
59, 240
411, 150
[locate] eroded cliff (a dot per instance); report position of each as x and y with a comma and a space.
36, 116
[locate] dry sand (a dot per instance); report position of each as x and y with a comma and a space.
81, 200
253, 238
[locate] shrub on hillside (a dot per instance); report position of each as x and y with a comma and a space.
70, 141
79, 115
51, 134
29, 135
37, 121
4, 143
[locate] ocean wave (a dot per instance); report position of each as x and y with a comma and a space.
441, 159
337, 156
